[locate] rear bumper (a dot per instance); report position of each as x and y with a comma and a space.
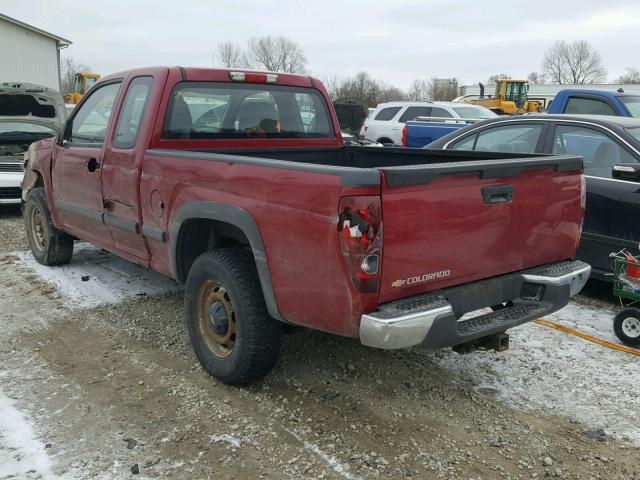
433, 320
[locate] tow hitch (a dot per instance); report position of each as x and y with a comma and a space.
498, 342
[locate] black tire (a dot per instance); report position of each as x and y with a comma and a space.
384, 140
49, 245
223, 285
626, 326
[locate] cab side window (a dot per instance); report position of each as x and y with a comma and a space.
600, 151
89, 124
132, 112
588, 106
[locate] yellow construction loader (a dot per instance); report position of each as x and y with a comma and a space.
83, 82
510, 98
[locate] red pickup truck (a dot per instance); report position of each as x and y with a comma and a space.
238, 185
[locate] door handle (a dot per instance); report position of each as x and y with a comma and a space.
93, 165
498, 194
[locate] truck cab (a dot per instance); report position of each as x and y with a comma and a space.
596, 102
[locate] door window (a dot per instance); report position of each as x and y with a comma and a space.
412, 113
508, 138
600, 151
89, 124
588, 106
132, 112
387, 114
440, 112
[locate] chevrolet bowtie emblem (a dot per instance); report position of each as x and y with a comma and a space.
398, 283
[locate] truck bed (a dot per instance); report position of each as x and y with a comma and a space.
400, 166
474, 215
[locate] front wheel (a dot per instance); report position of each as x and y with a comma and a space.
49, 245
231, 331
626, 326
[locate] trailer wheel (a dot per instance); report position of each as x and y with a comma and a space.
231, 331
49, 245
626, 326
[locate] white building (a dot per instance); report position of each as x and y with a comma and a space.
28, 54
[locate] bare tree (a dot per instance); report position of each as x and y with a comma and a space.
363, 87
68, 70
498, 76
389, 93
276, 54
574, 63
536, 78
418, 90
632, 76
442, 89
230, 55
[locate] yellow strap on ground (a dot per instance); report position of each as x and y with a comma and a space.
604, 343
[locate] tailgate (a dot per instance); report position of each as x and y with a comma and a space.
451, 223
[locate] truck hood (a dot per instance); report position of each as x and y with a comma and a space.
31, 103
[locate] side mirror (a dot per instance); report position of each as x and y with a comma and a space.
626, 171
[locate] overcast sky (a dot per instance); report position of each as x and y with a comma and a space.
394, 41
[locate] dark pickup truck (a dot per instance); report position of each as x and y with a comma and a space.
237, 184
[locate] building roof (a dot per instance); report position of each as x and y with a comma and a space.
62, 42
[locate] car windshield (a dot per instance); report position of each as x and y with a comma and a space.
473, 113
25, 127
632, 104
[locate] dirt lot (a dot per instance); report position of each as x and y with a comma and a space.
98, 380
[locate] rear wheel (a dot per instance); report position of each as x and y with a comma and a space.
231, 331
626, 326
49, 245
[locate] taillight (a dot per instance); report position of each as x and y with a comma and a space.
404, 135
253, 77
360, 230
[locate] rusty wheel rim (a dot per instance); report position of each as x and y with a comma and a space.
216, 318
37, 227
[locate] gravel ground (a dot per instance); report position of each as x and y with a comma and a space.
115, 391
12, 237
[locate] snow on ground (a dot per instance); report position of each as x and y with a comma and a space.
561, 374
22, 455
95, 277
544, 369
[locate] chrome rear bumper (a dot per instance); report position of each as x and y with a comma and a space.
431, 320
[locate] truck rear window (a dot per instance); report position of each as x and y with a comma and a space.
208, 110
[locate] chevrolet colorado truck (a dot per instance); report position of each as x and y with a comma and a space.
238, 185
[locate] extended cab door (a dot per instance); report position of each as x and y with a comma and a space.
121, 171
77, 167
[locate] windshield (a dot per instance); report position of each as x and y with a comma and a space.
473, 113
632, 104
25, 127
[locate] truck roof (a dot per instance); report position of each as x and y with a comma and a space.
219, 75
602, 93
